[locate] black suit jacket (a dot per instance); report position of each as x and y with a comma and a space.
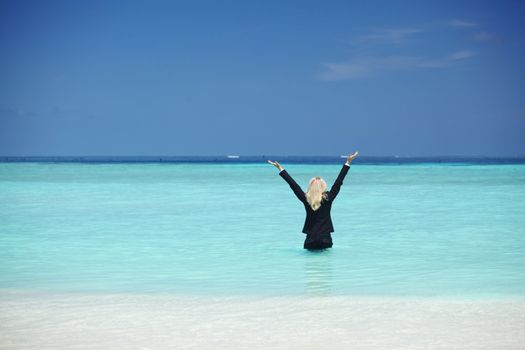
319, 221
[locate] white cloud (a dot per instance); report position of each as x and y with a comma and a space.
16, 112
485, 37
344, 71
364, 66
378, 58
461, 55
462, 23
389, 35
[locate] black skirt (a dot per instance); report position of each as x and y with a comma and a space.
318, 241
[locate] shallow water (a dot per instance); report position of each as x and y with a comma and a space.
168, 321
220, 229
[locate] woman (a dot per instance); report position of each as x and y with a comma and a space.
317, 202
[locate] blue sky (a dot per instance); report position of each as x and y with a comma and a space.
414, 78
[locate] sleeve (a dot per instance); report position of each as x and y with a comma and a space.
293, 185
338, 182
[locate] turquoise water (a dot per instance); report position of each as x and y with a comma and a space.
220, 229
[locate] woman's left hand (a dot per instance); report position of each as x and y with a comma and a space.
351, 157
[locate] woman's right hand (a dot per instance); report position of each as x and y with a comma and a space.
276, 164
351, 157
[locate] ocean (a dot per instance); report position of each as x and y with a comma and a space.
411, 231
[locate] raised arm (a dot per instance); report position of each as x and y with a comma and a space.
293, 185
336, 187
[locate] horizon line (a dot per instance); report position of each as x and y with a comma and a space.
239, 156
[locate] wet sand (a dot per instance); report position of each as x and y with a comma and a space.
124, 321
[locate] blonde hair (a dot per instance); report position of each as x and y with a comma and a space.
316, 192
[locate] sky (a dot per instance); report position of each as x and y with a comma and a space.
125, 78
